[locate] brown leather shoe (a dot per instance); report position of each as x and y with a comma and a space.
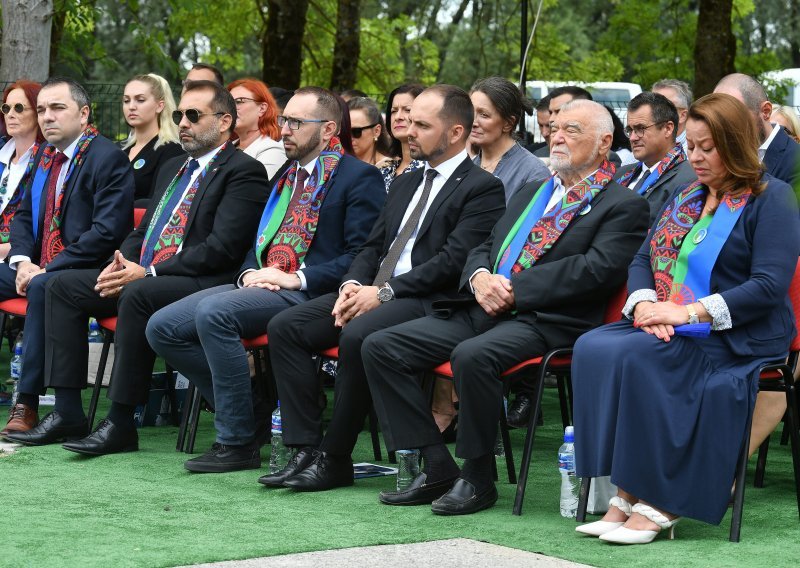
21, 418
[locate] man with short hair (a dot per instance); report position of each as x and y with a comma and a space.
778, 152
662, 164
194, 235
76, 212
543, 122
539, 281
413, 256
679, 94
204, 72
318, 216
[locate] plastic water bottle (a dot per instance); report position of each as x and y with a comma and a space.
570, 484
16, 368
280, 453
95, 335
407, 468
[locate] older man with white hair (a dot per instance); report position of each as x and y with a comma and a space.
541, 279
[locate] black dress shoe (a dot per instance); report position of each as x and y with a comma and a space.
106, 439
519, 411
53, 428
222, 458
326, 471
418, 493
463, 499
300, 460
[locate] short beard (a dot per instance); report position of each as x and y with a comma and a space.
202, 142
566, 168
440, 149
301, 152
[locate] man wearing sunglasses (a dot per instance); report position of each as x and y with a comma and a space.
75, 212
317, 217
194, 235
663, 164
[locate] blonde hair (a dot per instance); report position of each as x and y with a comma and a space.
790, 115
167, 131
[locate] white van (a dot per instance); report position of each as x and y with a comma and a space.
791, 79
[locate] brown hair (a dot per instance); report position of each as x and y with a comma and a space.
735, 138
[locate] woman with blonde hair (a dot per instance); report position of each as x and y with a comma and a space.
147, 105
786, 116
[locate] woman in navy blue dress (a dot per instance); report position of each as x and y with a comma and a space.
662, 397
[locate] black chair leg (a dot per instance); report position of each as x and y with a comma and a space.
528, 450
373, 432
583, 499
194, 421
738, 494
794, 436
761, 463
507, 449
187, 403
98, 380
563, 400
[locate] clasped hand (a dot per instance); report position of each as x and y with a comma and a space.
116, 275
353, 301
25, 272
493, 292
659, 318
271, 278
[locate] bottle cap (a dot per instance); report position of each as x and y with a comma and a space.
569, 434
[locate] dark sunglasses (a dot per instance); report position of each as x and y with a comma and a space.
356, 131
18, 108
192, 115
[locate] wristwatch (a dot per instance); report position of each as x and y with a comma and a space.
692, 314
385, 293
148, 272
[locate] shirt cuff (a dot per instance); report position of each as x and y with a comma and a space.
16, 259
153, 270
240, 281
643, 295
346, 282
471, 289
717, 308
302, 277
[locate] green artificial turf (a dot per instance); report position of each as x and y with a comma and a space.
144, 509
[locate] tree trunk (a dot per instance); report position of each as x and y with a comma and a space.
715, 45
26, 39
283, 42
347, 45
794, 29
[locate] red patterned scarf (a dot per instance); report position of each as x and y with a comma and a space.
16, 198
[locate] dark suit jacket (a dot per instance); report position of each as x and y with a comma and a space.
570, 285
752, 272
96, 211
352, 203
458, 219
782, 159
222, 220
664, 187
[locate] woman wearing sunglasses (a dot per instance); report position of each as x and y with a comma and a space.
370, 143
147, 105
398, 110
257, 128
16, 155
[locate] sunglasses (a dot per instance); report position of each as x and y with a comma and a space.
192, 115
355, 131
18, 108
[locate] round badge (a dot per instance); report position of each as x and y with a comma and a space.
586, 209
699, 236
138, 164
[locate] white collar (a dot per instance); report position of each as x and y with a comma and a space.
770, 138
446, 168
7, 151
203, 160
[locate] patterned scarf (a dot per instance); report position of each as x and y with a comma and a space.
684, 248
672, 159
16, 198
284, 235
545, 231
171, 234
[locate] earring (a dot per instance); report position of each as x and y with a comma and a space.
375, 139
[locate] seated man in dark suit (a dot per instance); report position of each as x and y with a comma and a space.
76, 212
195, 234
540, 280
432, 218
317, 218
662, 165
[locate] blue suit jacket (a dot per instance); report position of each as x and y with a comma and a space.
752, 273
782, 159
96, 212
351, 206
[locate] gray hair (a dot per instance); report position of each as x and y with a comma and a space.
600, 119
682, 90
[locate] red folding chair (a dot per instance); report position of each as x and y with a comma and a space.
14, 307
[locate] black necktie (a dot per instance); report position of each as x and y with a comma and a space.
644, 176
390, 260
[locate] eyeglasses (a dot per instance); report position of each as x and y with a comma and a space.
356, 131
242, 100
639, 129
18, 108
295, 123
192, 115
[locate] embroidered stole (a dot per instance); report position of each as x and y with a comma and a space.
672, 159
16, 197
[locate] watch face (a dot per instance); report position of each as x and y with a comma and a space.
385, 294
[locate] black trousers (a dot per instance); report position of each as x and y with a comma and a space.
71, 300
480, 349
300, 331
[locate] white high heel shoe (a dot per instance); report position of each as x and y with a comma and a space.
598, 528
624, 535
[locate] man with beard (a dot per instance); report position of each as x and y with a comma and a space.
316, 219
194, 235
413, 256
540, 280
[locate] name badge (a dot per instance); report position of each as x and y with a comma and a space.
586, 209
699, 236
138, 164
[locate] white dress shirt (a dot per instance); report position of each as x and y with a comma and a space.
762, 150
12, 172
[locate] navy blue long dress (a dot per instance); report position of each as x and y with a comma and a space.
667, 420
